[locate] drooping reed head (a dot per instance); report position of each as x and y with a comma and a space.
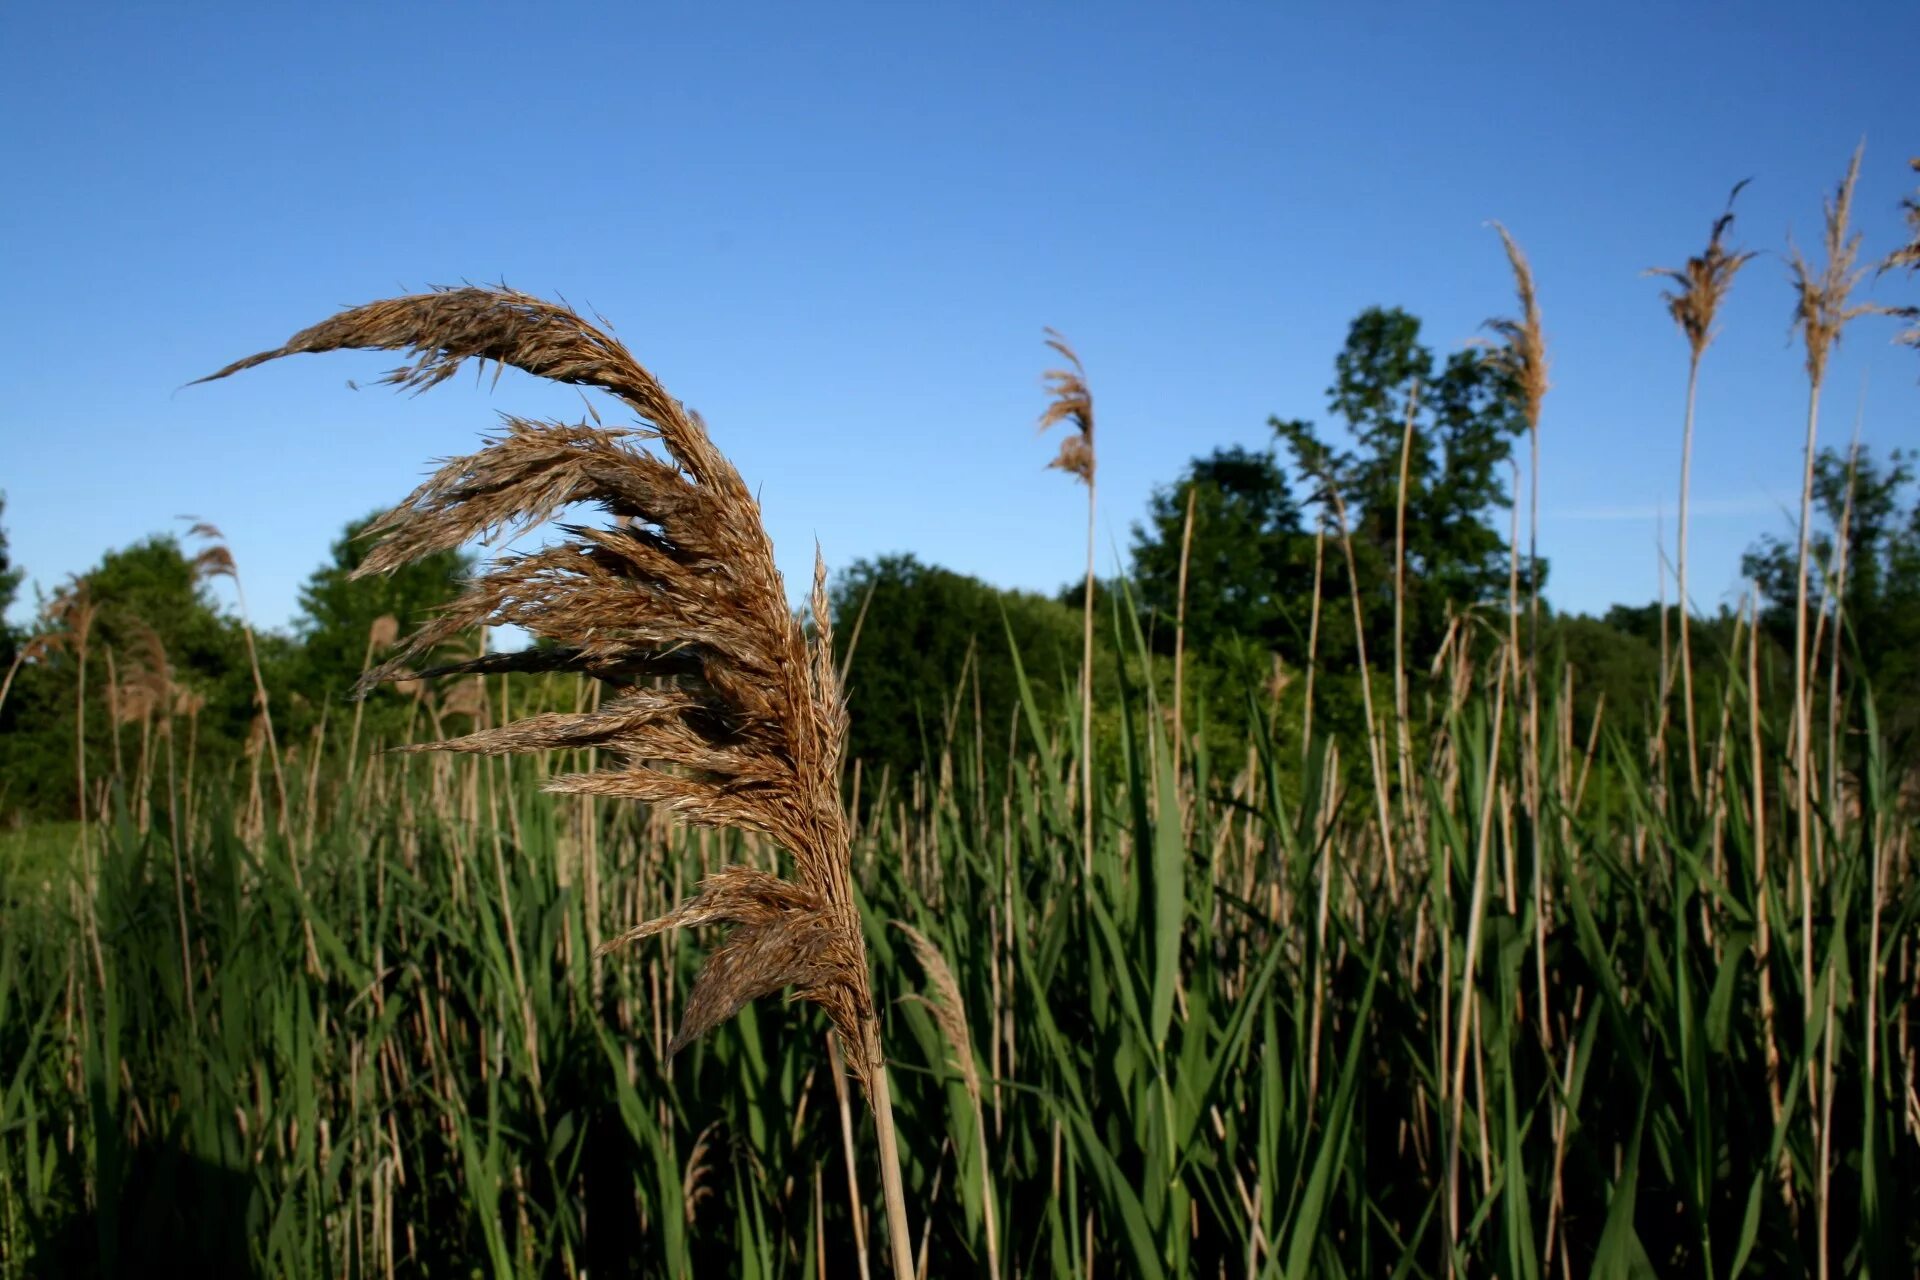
1071, 403
1521, 353
949, 1009
720, 710
1907, 256
1823, 304
1701, 285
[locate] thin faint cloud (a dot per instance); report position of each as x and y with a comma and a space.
1701, 509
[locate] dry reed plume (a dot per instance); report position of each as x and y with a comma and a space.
1694, 302
1907, 256
1823, 307
1072, 403
950, 1012
719, 708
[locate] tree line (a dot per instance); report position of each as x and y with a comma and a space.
1387, 525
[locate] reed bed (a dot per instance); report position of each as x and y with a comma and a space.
1233, 1050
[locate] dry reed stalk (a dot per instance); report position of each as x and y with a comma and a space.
1837, 593
1313, 636
1476, 913
35, 646
1376, 747
1522, 355
743, 723
114, 714
1400, 714
1823, 307
1694, 302
1180, 635
1762, 944
381, 635
950, 1012
160, 687
1072, 403
856, 1206
73, 608
216, 561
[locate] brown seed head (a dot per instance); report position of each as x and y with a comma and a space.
1072, 403
949, 1010
1521, 352
1823, 304
1908, 256
720, 710
384, 631
1701, 285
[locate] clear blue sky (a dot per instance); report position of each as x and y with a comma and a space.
837, 232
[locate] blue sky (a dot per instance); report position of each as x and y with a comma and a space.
837, 232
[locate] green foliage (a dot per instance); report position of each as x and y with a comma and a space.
150, 591
1463, 432
337, 614
1249, 568
1878, 506
931, 644
10, 577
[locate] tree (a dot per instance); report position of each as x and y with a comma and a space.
1246, 574
338, 612
150, 609
1881, 597
10, 577
923, 636
1464, 425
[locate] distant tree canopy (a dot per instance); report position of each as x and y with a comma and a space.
156, 644
924, 638
337, 614
10, 578
1250, 570
1252, 567
1877, 506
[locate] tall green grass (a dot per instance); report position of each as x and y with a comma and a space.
1229, 1049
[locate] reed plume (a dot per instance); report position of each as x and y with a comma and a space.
1072, 403
1907, 256
1823, 307
950, 1012
719, 708
1694, 302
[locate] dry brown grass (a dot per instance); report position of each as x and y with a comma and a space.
719, 708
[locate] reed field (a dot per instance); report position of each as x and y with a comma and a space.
1471, 982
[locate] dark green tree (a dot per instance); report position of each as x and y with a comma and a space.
927, 636
1464, 426
1248, 568
141, 594
10, 578
1878, 507
338, 612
